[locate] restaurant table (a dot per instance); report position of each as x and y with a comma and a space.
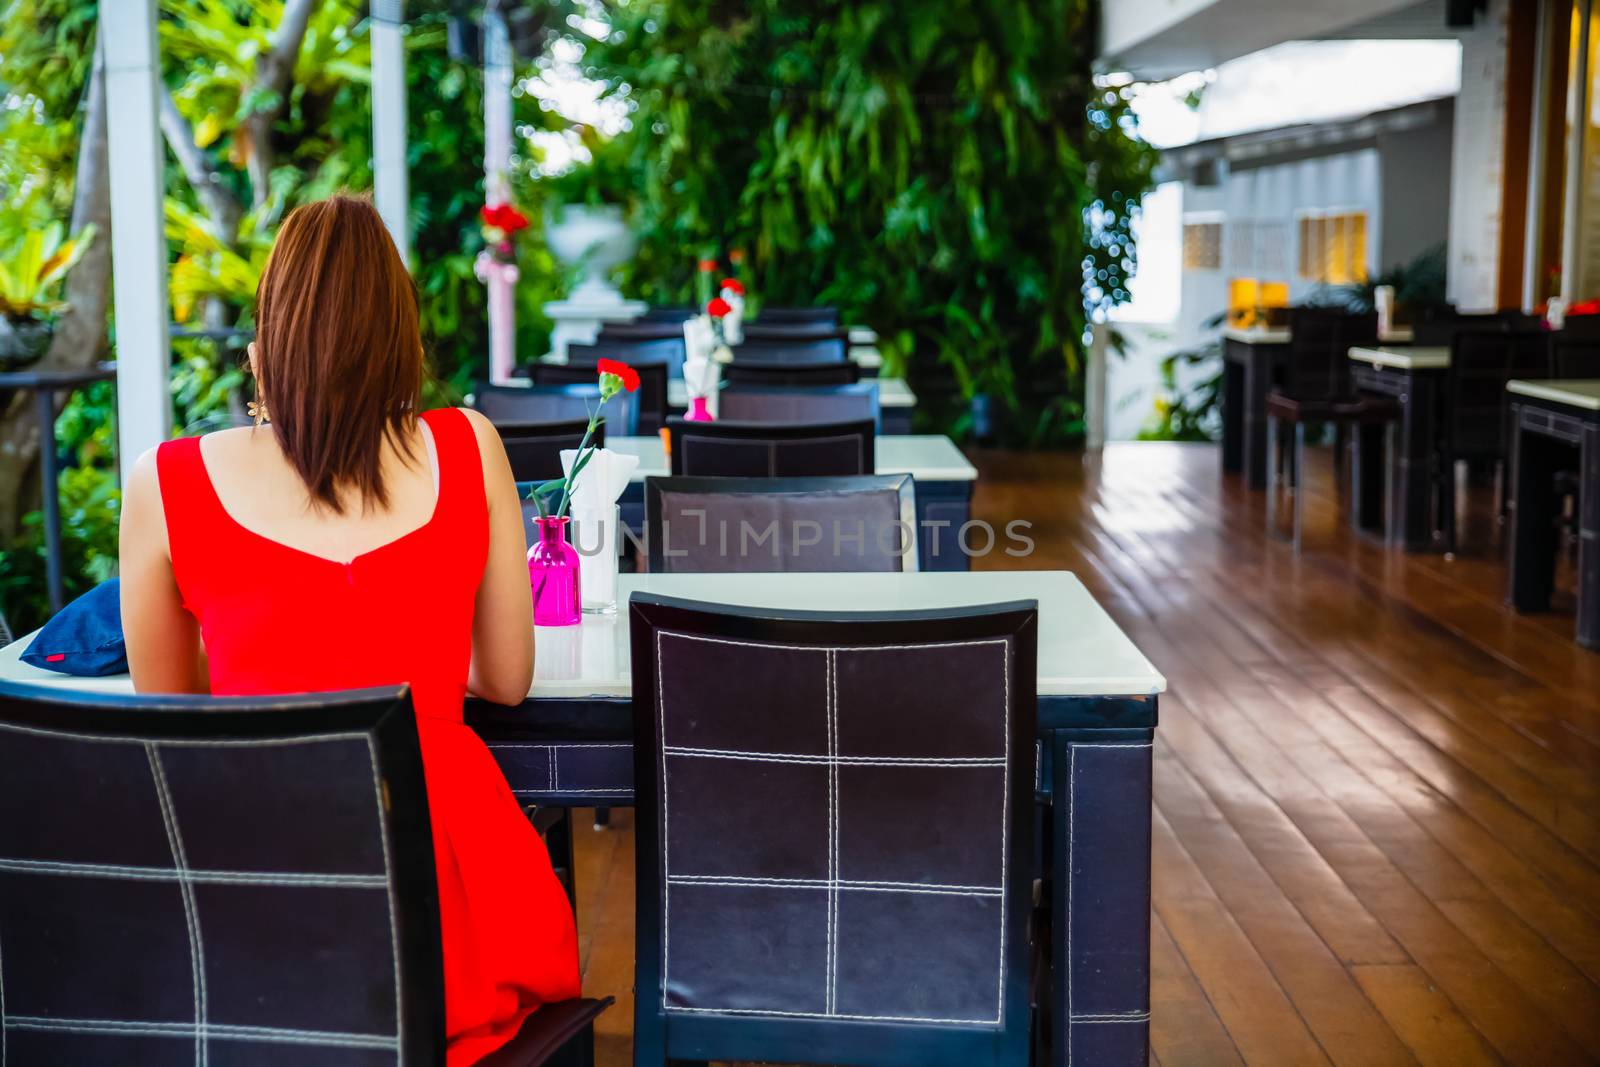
1414, 377
571, 744
944, 480
1252, 361
1548, 420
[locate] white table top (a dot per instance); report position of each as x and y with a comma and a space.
1423, 358
1081, 651
1257, 335
864, 352
892, 393
926, 457
1575, 392
1280, 335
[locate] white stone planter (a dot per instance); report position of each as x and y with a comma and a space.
596, 238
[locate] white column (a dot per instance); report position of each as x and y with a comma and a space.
391, 185
1572, 222
497, 182
138, 236
1094, 387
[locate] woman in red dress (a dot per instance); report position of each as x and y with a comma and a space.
347, 541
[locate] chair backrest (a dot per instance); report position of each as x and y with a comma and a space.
678, 313
668, 350
827, 372
1438, 325
821, 403
833, 347
250, 878
1318, 364
534, 448
727, 449
1575, 349
786, 316
793, 331
882, 917
714, 525
1481, 363
640, 330
564, 397
629, 413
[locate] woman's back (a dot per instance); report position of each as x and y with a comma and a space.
292, 597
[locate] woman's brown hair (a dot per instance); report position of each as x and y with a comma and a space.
339, 358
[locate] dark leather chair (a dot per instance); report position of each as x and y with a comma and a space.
1437, 326
1473, 410
828, 372
728, 449
556, 398
832, 348
790, 316
250, 880
739, 402
1317, 389
676, 313
1575, 348
640, 330
534, 448
715, 525
650, 399
792, 331
668, 350
834, 835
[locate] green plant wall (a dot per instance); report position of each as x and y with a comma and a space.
946, 171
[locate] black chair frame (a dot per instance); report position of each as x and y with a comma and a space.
546, 440
682, 431
654, 487
650, 398
867, 389
660, 1034
817, 374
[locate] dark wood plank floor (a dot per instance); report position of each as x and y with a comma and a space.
1376, 833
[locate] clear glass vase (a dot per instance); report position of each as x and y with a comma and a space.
553, 575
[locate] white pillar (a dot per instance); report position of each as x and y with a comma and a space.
1573, 286
1094, 387
497, 182
138, 235
391, 185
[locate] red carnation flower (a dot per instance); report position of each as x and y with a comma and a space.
707, 266
718, 307
732, 285
736, 256
629, 376
1584, 307
503, 217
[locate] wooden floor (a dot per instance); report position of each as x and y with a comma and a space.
1376, 831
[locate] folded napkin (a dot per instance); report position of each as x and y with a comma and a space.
698, 340
733, 321
595, 520
700, 376
85, 637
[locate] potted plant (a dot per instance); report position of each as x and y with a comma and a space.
587, 224
31, 271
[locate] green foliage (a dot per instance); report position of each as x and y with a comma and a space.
1187, 412
1418, 284
946, 171
32, 269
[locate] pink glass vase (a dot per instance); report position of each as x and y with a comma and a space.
553, 575
698, 411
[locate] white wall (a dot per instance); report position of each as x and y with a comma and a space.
1478, 162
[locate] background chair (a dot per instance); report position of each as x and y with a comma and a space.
739, 402
827, 372
645, 408
772, 450
780, 316
677, 313
1575, 348
1474, 409
668, 350
534, 448
790, 331
883, 918
1317, 389
261, 890
708, 525
640, 330
571, 399
831, 348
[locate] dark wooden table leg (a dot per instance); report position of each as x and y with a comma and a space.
1589, 539
1366, 477
1100, 924
1232, 415
1257, 383
1531, 570
1412, 506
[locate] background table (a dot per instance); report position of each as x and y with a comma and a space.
943, 475
1549, 418
1250, 362
570, 743
1415, 378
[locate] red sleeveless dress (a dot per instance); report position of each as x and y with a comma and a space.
275, 620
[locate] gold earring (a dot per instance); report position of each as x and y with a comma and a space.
257, 409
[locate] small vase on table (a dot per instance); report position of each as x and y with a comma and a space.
553, 574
